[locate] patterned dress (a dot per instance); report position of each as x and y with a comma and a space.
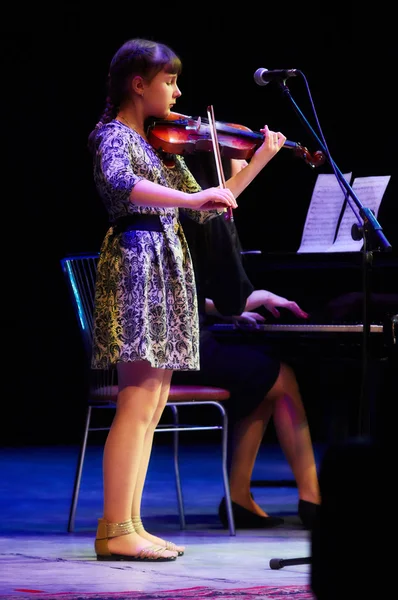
145, 302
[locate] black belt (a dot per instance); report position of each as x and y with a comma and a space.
137, 221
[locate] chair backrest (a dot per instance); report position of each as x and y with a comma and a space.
80, 272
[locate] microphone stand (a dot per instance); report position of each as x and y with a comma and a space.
373, 240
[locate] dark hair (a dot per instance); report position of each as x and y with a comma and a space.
135, 57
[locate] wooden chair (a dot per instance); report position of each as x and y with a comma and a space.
80, 274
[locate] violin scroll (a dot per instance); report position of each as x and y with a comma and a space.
314, 160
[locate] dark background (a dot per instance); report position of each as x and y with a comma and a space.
54, 67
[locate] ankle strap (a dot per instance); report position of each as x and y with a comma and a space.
118, 529
137, 523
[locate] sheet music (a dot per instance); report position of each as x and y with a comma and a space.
370, 192
323, 214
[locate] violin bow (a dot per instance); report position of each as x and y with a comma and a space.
217, 156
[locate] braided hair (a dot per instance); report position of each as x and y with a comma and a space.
135, 57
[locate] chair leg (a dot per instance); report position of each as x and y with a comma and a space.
176, 440
78, 475
228, 502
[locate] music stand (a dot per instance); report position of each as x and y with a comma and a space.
373, 240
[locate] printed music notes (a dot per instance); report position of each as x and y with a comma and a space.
331, 215
370, 191
323, 214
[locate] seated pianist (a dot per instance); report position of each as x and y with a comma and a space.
261, 385
299, 352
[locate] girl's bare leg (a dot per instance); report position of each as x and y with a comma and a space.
140, 387
148, 442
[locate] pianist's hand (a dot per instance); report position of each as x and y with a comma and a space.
248, 319
272, 302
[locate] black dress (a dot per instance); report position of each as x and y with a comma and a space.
248, 370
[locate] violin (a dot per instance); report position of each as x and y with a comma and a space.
180, 134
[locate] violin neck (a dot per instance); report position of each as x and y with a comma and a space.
255, 136
246, 134
291, 145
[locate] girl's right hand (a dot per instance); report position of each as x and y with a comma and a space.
213, 198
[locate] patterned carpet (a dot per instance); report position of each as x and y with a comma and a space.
290, 592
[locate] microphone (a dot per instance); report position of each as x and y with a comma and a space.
263, 76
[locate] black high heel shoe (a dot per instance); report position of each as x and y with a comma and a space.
308, 513
246, 519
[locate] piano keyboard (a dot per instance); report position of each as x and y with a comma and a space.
299, 328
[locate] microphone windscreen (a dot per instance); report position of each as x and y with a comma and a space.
258, 76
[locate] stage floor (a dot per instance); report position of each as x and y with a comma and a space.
38, 555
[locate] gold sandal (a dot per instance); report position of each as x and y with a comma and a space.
139, 527
106, 531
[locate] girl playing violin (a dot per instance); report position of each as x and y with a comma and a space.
146, 312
